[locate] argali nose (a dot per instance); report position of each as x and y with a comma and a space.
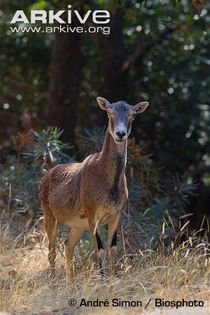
120, 134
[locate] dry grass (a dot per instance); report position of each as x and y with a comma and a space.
27, 289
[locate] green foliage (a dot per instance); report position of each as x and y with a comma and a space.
161, 222
19, 187
172, 73
92, 139
47, 148
19, 180
175, 79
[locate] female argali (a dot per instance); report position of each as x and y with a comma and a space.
91, 193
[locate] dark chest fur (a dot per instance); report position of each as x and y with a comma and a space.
117, 187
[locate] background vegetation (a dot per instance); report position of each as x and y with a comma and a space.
157, 51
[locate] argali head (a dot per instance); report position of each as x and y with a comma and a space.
121, 116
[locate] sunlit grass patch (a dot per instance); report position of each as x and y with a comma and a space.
26, 287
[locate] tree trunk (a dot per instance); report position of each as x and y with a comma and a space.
65, 84
113, 56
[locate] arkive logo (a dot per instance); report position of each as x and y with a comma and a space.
99, 19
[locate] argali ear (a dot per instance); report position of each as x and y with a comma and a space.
140, 107
103, 103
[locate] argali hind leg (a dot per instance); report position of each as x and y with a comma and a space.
112, 239
100, 252
70, 242
51, 229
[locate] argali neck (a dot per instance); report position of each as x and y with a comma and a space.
112, 160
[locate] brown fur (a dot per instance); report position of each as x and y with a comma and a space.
75, 190
81, 195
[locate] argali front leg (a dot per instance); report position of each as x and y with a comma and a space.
100, 252
51, 229
70, 242
112, 235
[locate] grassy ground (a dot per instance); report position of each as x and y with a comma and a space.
27, 289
